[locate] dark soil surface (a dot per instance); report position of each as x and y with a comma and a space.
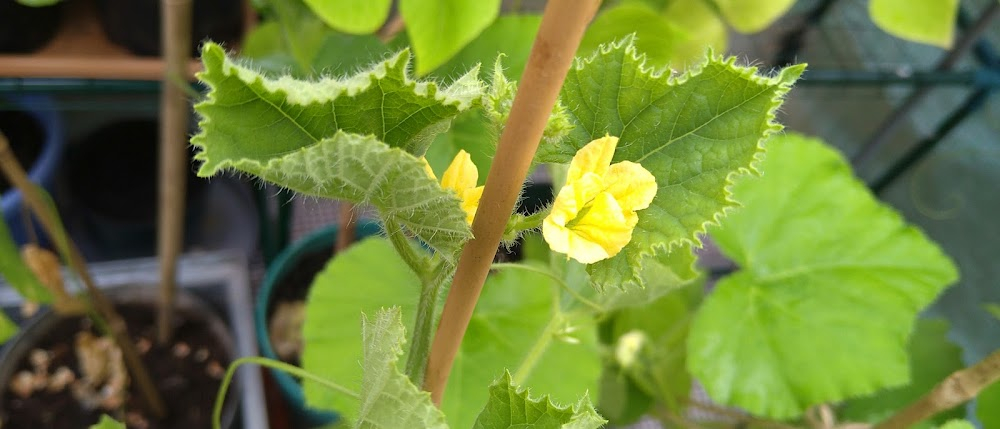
188, 384
26, 137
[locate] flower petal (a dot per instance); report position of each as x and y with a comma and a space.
470, 202
595, 158
462, 174
633, 186
606, 225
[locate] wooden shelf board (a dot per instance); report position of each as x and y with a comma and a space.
80, 49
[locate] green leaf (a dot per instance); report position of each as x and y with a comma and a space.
515, 326
514, 316
341, 54
249, 117
656, 35
830, 285
692, 133
438, 29
701, 29
469, 132
350, 16
993, 309
751, 16
959, 424
38, 3
366, 277
988, 406
650, 344
7, 327
932, 359
511, 407
107, 423
925, 21
510, 35
364, 170
16, 273
622, 401
388, 398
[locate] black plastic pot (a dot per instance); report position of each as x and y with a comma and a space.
135, 24
37, 330
112, 181
25, 29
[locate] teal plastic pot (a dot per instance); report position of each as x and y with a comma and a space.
282, 266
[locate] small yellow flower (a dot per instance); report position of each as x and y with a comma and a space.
593, 216
461, 177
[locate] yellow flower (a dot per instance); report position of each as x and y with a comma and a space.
461, 177
593, 216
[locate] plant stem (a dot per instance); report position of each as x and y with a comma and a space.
956, 389
538, 349
269, 363
345, 226
405, 250
16, 176
562, 27
176, 38
423, 327
562, 283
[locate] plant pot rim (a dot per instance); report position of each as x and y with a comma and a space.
316, 240
37, 326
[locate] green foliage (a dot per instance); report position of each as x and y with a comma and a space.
362, 279
650, 344
958, 424
438, 29
932, 359
296, 134
830, 284
512, 407
988, 406
349, 16
388, 399
107, 423
692, 133
516, 325
38, 3
750, 16
925, 21
510, 35
656, 34
17, 274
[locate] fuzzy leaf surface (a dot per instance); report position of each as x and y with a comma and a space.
388, 398
248, 117
438, 29
692, 133
511, 407
362, 169
925, 21
830, 285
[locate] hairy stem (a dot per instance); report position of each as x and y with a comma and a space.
562, 27
220, 397
16, 176
404, 248
538, 349
423, 328
956, 389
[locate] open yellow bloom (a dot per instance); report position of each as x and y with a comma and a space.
461, 177
593, 216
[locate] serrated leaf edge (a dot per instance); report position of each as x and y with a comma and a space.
784, 80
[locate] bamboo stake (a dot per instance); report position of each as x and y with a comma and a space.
562, 27
19, 179
175, 37
958, 388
